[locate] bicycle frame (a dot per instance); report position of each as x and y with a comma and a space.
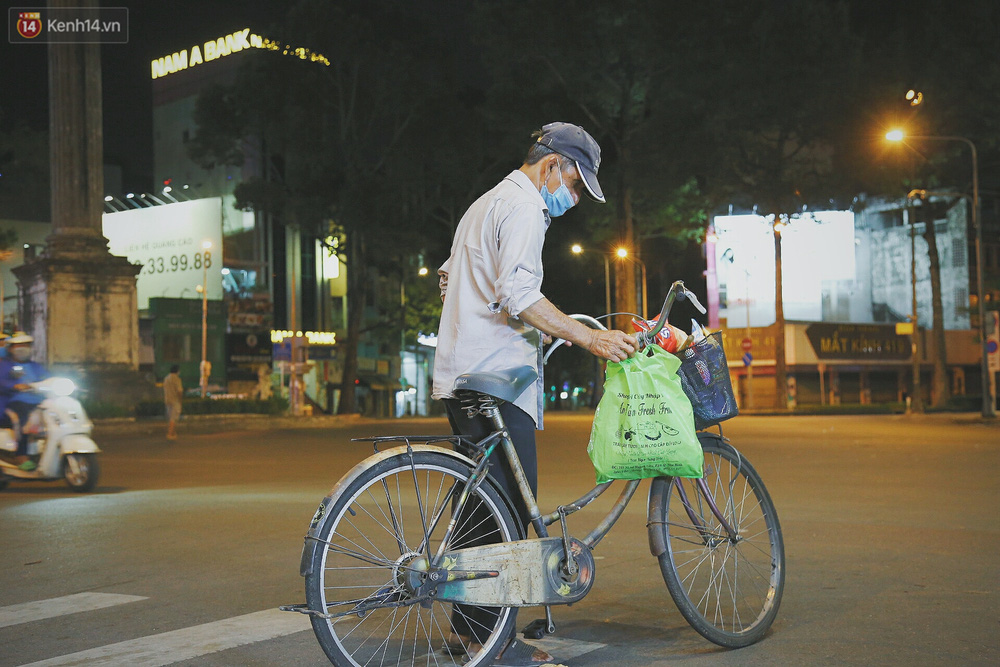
488, 407
540, 522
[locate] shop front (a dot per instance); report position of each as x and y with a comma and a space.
832, 363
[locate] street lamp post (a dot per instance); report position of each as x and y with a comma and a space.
988, 408
204, 368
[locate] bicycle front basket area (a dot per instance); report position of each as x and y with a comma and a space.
704, 376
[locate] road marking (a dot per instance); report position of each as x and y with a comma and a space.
186, 643
68, 604
565, 649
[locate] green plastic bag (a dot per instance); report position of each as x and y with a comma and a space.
644, 425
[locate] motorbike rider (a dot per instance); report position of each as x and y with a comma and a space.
17, 372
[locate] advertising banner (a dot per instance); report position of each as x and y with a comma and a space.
170, 242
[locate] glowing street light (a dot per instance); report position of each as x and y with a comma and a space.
989, 408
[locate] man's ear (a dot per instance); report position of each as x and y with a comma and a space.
552, 163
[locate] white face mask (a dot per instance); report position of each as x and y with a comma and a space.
21, 353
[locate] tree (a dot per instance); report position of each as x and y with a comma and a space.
951, 103
621, 72
24, 173
346, 138
788, 69
942, 391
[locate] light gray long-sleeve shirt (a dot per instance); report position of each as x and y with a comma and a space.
494, 272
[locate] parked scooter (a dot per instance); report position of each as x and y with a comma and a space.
58, 440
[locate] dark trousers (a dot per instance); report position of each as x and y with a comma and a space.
472, 621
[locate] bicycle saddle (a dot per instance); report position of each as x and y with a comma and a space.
505, 385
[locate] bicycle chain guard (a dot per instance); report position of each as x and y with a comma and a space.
529, 573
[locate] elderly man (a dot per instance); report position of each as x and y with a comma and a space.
494, 313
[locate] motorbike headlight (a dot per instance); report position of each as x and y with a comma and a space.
63, 387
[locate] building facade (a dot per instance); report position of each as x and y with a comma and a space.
848, 279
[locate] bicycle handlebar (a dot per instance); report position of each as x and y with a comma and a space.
586, 319
676, 292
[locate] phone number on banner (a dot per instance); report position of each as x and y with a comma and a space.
174, 263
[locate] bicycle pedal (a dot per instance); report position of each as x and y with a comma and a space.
535, 629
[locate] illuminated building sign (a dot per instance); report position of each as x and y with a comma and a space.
857, 341
214, 49
314, 337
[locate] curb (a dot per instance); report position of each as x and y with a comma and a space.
210, 423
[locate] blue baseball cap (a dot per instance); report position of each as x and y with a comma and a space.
573, 142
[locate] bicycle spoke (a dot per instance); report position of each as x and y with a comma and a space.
727, 585
365, 581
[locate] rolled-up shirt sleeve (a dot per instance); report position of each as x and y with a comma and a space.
520, 237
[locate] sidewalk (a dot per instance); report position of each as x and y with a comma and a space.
213, 423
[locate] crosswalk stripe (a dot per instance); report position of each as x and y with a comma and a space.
565, 649
187, 643
68, 604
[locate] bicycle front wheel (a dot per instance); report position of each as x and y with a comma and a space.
374, 551
727, 585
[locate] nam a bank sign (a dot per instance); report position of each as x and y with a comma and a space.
213, 49
220, 47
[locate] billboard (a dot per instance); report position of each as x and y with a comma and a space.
818, 249
169, 241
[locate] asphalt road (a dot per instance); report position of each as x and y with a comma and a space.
891, 526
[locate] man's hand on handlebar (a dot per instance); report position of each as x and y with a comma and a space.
612, 344
606, 344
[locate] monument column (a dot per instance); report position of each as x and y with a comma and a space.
77, 299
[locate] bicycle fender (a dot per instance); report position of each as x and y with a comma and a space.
311, 548
659, 492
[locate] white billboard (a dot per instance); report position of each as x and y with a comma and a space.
170, 242
816, 250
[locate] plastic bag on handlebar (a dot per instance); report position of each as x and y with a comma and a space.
704, 374
644, 426
670, 337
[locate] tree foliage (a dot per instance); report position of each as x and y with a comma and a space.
24, 174
348, 144
423, 106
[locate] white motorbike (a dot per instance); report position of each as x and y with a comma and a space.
58, 440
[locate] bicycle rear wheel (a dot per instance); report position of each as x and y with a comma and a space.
728, 588
373, 555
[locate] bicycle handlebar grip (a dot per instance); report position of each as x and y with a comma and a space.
694, 301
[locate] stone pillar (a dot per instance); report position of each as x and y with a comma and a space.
77, 299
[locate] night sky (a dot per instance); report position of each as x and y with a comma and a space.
155, 29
